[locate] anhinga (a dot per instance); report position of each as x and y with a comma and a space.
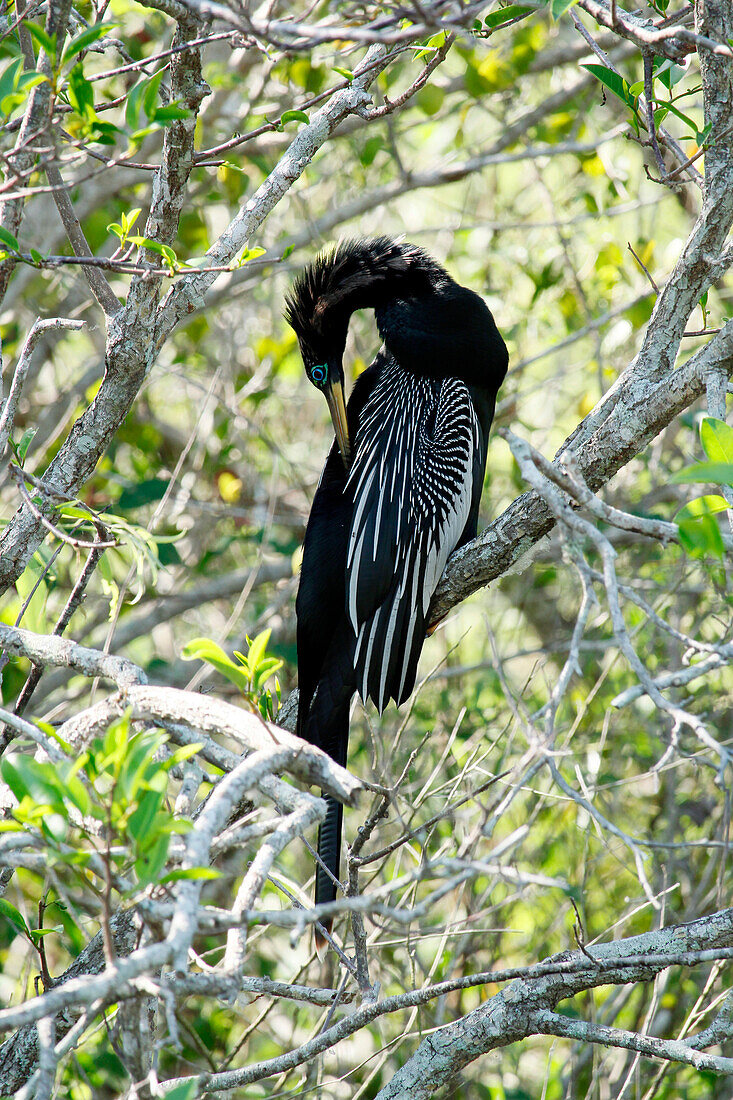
401, 486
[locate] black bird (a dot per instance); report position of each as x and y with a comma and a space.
401, 486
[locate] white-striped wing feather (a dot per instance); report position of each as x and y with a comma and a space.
412, 483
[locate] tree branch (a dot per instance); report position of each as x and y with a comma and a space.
98, 284
641, 412
209, 716
513, 1014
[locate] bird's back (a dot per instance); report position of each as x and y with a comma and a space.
416, 454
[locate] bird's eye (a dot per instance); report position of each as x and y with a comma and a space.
319, 374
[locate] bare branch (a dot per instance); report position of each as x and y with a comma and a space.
642, 409
205, 714
49, 649
509, 1015
672, 42
10, 405
98, 285
673, 1050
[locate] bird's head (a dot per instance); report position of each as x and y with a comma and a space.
357, 274
316, 312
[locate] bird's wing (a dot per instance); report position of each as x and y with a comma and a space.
412, 480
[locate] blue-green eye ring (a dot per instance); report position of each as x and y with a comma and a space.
319, 374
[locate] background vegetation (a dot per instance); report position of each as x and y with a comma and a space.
167, 169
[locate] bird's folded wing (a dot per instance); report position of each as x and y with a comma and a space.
412, 481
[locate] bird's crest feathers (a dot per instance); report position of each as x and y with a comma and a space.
357, 274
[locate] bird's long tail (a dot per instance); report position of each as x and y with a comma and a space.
329, 833
329, 851
326, 724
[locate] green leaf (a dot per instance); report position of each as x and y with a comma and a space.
669, 73
25, 442
150, 95
717, 439
13, 778
559, 7
139, 823
191, 873
54, 827
104, 133
77, 794
265, 670
293, 116
163, 250
15, 84
345, 73
614, 83
40, 781
180, 755
86, 39
139, 770
684, 118
37, 933
8, 240
29, 79
251, 254
436, 42
81, 93
203, 649
175, 825
116, 740
44, 40
148, 866
718, 473
702, 506
242, 660
170, 113
701, 537
505, 15
257, 649
128, 220
9, 80
134, 103
74, 511
14, 916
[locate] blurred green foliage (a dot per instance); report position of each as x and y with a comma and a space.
515, 168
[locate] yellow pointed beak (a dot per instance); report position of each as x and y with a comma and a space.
335, 397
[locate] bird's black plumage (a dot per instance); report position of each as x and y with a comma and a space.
401, 486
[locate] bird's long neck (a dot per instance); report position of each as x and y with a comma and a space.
448, 332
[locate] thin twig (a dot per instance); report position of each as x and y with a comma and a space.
73, 602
